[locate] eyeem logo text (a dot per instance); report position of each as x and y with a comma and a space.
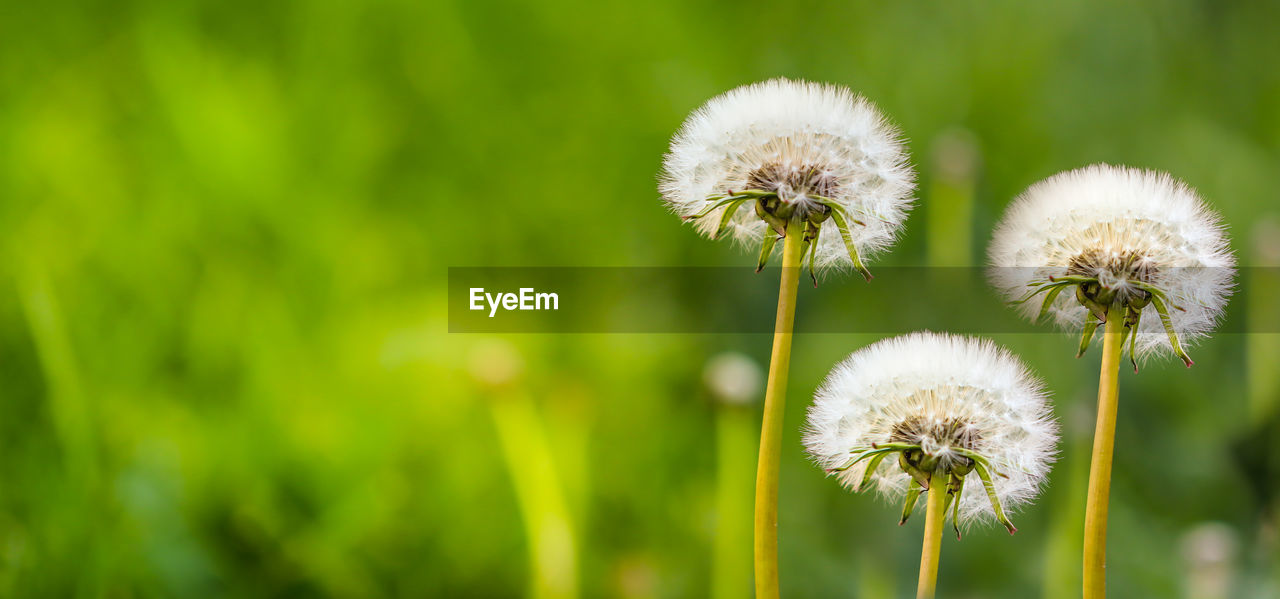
527, 299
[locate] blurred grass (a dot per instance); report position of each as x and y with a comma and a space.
225, 227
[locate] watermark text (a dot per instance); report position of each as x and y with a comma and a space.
527, 299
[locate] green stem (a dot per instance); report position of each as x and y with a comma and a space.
935, 520
775, 397
552, 546
70, 411
1095, 511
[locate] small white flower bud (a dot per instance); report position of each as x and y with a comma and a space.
733, 378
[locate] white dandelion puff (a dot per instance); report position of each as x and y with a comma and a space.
796, 150
962, 404
1138, 239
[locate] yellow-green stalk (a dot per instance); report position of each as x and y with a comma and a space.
1104, 439
935, 520
775, 399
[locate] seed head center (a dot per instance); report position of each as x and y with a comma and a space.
791, 182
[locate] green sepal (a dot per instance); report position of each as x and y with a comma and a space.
811, 231
852, 462
779, 225
895, 446
754, 193
717, 204
804, 251
766, 248
1168, 328
828, 202
726, 217
1133, 337
979, 460
871, 470
981, 469
848, 241
1157, 292
1041, 289
913, 494
921, 477
1073, 279
1090, 325
956, 487
1048, 302
1098, 310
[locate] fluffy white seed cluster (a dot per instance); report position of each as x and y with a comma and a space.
797, 138
1119, 224
943, 390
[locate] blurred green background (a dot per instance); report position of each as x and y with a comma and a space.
224, 365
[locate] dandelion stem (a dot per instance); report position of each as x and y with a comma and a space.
1095, 511
935, 521
775, 396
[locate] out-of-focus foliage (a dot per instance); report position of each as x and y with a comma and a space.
225, 228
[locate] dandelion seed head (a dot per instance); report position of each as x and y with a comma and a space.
799, 140
1121, 225
942, 392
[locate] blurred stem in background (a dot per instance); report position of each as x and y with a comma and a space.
875, 574
1262, 354
735, 438
949, 226
734, 382
935, 519
67, 404
73, 422
1262, 347
1095, 511
552, 553
553, 570
775, 397
1209, 558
